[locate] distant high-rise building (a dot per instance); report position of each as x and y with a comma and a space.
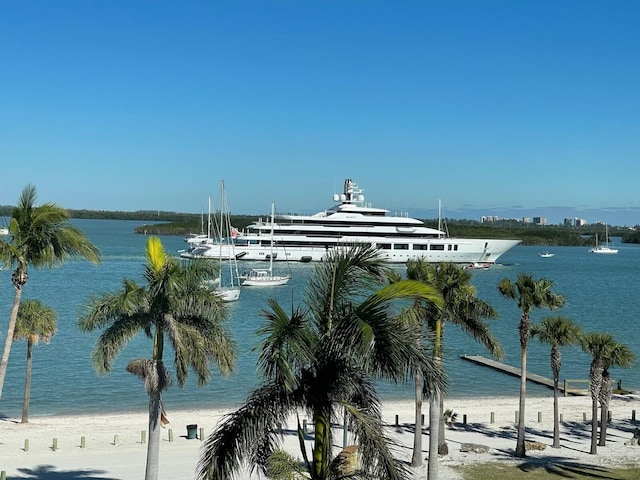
539, 220
568, 222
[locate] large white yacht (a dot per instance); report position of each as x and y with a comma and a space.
308, 238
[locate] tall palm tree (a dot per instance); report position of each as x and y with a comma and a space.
529, 294
35, 322
558, 332
462, 308
41, 236
619, 355
175, 306
322, 360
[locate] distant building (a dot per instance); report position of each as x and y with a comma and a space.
489, 218
568, 222
526, 219
579, 222
539, 220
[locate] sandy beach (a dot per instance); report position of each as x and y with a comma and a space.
113, 446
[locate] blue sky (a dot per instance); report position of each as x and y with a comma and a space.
509, 108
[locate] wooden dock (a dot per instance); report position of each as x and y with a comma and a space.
515, 371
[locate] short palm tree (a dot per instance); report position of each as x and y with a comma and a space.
462, 308
175, 306
41, 236
619, 355
597, 345
35, 322
558, 332
529, 294
321, 361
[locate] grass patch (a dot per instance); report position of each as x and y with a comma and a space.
547, 470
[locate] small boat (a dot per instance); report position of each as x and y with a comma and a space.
604, 249
477, 266
546, 254
262, 277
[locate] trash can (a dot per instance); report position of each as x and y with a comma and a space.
192, 431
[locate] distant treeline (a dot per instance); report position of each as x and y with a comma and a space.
175, 223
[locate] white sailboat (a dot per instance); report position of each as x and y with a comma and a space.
225, 285
604, 249
261, 277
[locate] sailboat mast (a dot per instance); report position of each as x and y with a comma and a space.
271, 244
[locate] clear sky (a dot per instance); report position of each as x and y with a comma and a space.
510, 108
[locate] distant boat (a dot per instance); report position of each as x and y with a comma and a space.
604, 249
546, 254
229, 290
262, 277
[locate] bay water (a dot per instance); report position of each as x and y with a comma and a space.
601, 291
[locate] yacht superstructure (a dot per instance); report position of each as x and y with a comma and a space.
308, 238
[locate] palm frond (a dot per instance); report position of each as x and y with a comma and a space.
287, 344
250, 434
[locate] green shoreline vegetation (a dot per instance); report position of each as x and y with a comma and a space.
181, 224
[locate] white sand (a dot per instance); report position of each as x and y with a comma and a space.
123, 458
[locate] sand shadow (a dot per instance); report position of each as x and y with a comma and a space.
49, 472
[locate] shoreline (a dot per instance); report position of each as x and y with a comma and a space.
114, 444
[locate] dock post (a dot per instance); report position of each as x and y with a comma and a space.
26, 444
539, 417
493, 417
396, 420
517, 416
565, 387
633, 415
464, 419
83, 443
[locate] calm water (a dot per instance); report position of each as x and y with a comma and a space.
601, 293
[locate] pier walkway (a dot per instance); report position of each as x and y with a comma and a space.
532, 377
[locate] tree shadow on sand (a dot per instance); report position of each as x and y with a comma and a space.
566, 468
49, 472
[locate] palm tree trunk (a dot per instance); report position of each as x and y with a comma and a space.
434, 426
153, 447
416, 460
321, 446
605, 399
520, 449
27, 384
443, 448
9, 338
556, 414
594, 426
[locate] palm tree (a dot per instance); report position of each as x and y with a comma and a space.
41, 236
558, 332
35, 322
175, 306
461, 308
529, 294
605, 353
322, 361
597, 345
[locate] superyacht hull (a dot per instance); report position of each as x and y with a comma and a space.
455, 250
